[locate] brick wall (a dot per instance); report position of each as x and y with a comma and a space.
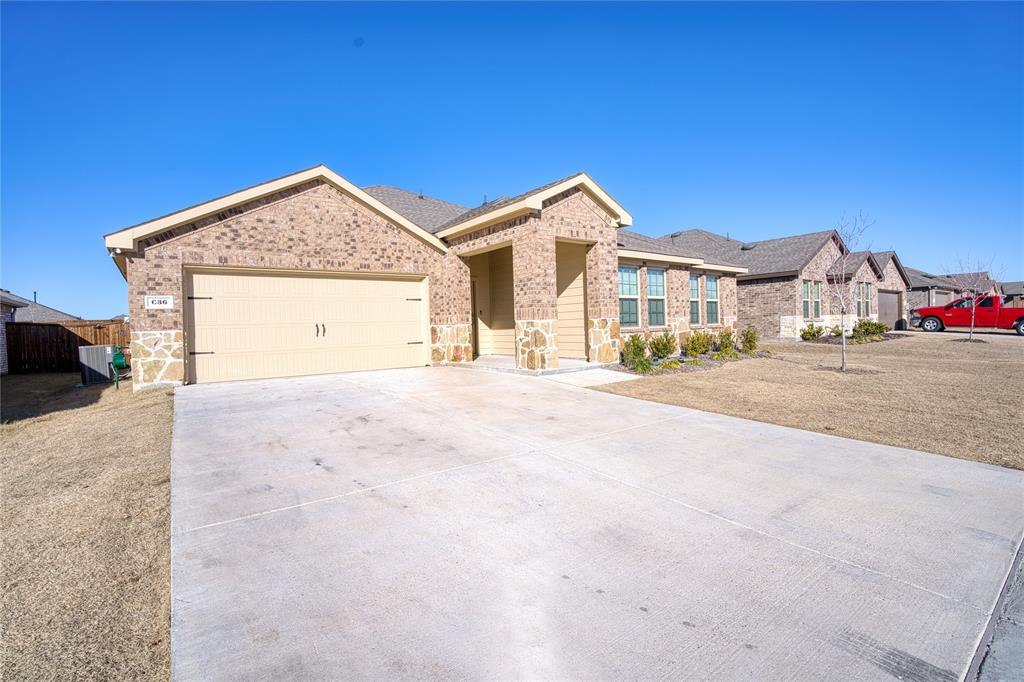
318, 228
761, 302
6, 315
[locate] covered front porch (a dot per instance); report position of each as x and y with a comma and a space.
556, 332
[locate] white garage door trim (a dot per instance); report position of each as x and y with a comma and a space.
301, 357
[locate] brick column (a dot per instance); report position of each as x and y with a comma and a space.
603, 336
535, 297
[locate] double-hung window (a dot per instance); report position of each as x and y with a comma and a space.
812, 298
629, 303
655, 297
711, 284
694, 300
863, 299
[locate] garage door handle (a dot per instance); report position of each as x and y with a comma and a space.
325, 330
415, 343
317, 329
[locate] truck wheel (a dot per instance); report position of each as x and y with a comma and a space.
1020, 328
931, 324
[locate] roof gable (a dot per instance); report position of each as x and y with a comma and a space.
128, 238
506, 208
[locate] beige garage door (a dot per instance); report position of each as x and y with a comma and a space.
255, 325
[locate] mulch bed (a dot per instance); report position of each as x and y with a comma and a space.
706, 363
836, 341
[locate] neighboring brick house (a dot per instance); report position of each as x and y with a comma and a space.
925, 289
1014, 293
31, 311
786, 287
893, 301
310, 274
9, 304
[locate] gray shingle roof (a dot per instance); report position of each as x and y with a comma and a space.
1012, 288
919, 279
982, 279
786, 254
501, 201
427, 212
31, 311
853, 264
638, 242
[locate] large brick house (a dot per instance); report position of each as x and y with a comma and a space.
786, 287
311, 274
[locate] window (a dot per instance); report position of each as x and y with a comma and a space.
807, 298
985, 302
863, 299
655, 297
629, 309
711, 283
817, 299
694, 299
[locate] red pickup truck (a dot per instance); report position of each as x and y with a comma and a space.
990, 312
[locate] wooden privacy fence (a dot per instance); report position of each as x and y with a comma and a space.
53, 346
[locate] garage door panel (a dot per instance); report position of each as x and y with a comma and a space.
253, 325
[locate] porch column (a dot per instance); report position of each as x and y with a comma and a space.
535, 297
603, 338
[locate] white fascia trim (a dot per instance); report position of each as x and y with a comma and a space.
534, 202
721, 268
659, 257
127, 239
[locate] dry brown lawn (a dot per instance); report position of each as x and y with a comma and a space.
85, 530
926, 392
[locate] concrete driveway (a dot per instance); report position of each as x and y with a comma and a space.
449, 523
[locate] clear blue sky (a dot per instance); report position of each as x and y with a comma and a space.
758, 120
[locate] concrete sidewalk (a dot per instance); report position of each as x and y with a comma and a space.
447, 523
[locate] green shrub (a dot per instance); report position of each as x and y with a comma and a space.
811, 332
749, 340
699, 343
643, 365
727, 344
670, 364
836, 331
693, 362
664, 345
865, 329
634, 351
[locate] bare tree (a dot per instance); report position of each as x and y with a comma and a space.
850, 232
971, 279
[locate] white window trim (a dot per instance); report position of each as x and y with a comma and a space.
662, 298
716, 300
816, 300
805, 300
690, 311
636, 272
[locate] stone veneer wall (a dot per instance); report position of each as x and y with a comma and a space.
450, 343
604, 339
536, 347
310, 227
158, 358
